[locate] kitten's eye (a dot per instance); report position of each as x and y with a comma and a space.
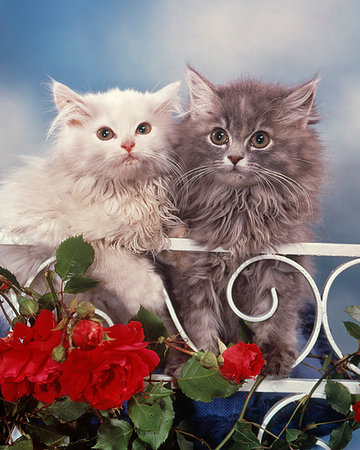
143, 128
260, 139
219, 136
105, 134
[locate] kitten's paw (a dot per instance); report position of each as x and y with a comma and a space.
278, 362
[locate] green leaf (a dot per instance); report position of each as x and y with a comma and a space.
114, 434
244, 435
145, 417
167, 417
203, 384
338, 396
73, 257
299, 440
353, 329
46, 435
10, 276
138, 444
46, 301
327, 361
77, 285
340, 437
153, 328
152, 393
354, 312
66, 409
292, 435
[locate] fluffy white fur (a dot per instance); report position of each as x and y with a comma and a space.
118, 200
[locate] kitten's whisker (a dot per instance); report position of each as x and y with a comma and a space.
289, 183
190, 178
168, 160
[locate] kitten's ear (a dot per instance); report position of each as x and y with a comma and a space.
70, 105
202, 94
300, 104
169, 98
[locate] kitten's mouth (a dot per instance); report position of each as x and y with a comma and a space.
130, 161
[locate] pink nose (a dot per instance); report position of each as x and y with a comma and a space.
235, 159
128, 145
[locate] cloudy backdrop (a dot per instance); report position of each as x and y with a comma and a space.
142, 44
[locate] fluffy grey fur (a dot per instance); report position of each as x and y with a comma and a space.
246, 199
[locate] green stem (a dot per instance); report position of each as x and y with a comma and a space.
253, 424
54, 294
319, 381
315, 425
258, 380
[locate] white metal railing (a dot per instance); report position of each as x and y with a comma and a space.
295, 388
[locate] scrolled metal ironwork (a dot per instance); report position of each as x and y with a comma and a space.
318, 315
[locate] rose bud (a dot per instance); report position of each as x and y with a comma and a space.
207, 360
59, 354
28, 307
87, 335
85, 310
17, 319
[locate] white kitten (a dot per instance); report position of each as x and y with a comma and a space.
107, 178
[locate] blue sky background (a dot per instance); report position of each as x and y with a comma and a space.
95, 45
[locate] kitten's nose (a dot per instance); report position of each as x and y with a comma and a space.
235, 159
128, 145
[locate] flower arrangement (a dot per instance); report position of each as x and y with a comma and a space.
67, 381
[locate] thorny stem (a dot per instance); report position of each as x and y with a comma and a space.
312, 367
253, 424
178, 430
9, 440
258, 380
168, 343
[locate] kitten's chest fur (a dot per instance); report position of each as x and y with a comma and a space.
245, 222
131, 217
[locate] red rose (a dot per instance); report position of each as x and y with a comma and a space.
112, 372
87, 334
241, 361
26, 365
356, 409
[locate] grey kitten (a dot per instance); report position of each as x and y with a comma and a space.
253, 173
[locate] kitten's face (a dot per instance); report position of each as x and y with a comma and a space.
242, 133
121, 135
